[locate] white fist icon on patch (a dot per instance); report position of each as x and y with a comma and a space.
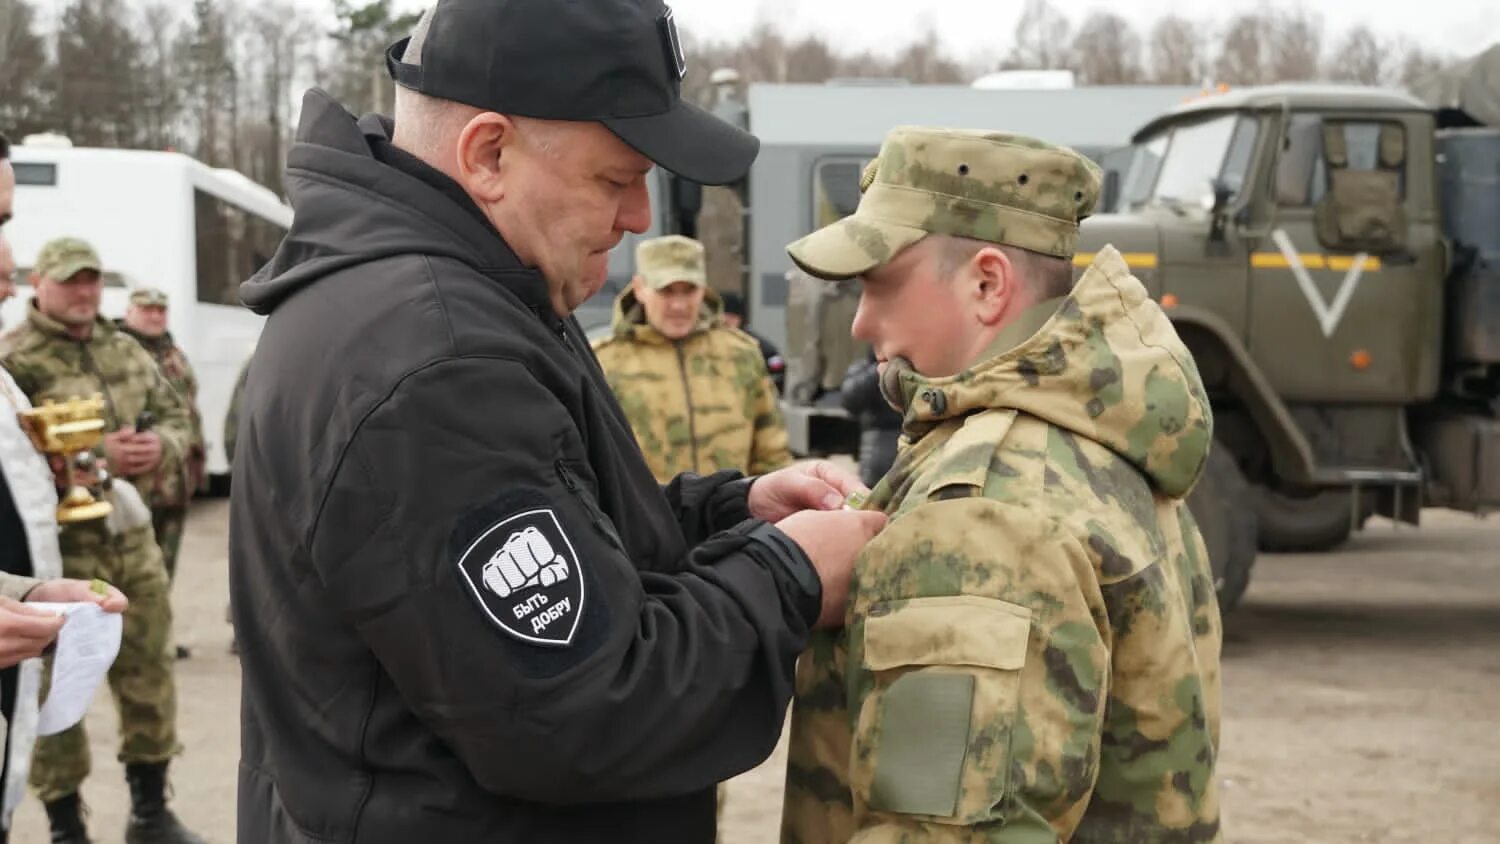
526, 560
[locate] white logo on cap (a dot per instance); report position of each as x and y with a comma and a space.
676, 59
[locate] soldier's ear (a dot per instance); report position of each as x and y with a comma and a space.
994, 282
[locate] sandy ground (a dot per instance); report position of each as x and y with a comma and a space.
1362, 698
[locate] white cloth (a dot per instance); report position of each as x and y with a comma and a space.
32, 488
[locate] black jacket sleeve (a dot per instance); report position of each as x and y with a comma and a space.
671, 682
708, 505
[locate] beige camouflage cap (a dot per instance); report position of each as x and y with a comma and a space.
664, 260
148, 297
991, 186
65, 257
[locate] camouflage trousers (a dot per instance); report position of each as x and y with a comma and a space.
141, 678
168, 523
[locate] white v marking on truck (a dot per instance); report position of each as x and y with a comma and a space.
1329, 316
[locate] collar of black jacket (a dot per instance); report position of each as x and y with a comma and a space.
351, 208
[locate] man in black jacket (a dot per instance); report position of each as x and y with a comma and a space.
465, 610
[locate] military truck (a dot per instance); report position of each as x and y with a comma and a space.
1331, 255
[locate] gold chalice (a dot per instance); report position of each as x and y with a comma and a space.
71, 430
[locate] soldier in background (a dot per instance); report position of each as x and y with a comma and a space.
146, 321
696, 391
1032, 649
66, 349
734, 317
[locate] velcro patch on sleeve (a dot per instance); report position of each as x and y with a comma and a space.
527, 577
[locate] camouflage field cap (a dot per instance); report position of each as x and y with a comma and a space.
148, 297
664, 260
991, 186
65, 257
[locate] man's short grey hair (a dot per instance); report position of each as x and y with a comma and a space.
425, 124
1048, 276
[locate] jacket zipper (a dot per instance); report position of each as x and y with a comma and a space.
687, 395
601, 521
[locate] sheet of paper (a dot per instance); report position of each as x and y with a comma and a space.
86, 648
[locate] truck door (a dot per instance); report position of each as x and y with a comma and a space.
1339, 306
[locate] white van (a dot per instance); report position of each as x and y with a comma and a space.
158, 219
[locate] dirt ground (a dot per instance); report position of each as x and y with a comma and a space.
1361, 698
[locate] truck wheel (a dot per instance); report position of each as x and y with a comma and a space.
1314, 522
1228, 524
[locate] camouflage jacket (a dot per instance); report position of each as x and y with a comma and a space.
176, 490
48, 363
1032, 644
700, 404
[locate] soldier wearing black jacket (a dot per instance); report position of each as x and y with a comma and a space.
466, 612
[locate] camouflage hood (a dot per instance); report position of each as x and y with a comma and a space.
1106, 364
630, 316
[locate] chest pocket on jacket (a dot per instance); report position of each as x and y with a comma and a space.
933, 736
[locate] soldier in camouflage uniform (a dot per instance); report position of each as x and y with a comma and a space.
696, 391
1032, 649
65, 349
146, 321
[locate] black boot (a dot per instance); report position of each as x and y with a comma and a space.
151, 822
65, 816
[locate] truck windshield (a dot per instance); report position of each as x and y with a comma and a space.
1200, 154
1144, 168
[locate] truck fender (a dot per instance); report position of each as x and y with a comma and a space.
1291, 455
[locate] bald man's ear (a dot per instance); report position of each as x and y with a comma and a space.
996, 285
482, 148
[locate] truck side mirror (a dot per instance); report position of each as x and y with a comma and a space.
1222, 194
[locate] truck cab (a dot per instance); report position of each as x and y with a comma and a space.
1296, 236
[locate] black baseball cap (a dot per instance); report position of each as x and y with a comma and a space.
617, 62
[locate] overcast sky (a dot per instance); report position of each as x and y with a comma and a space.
971, 27
983, 28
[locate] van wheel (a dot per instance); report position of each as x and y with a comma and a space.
1219, 506
1317, 521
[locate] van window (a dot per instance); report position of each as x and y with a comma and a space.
232, 244
31, 174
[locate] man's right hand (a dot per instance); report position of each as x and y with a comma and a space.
25, 631
832, 539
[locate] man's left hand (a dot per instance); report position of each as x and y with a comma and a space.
814, 485
69, 591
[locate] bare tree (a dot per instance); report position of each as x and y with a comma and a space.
764, 56
97, 100
162, 98
1360, 57
1294, 43
1177, 53
278, 35
206, 63
1042, 40
923, 61
1107, 51
24, 70
1242, 55
811, 60
1414, 64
